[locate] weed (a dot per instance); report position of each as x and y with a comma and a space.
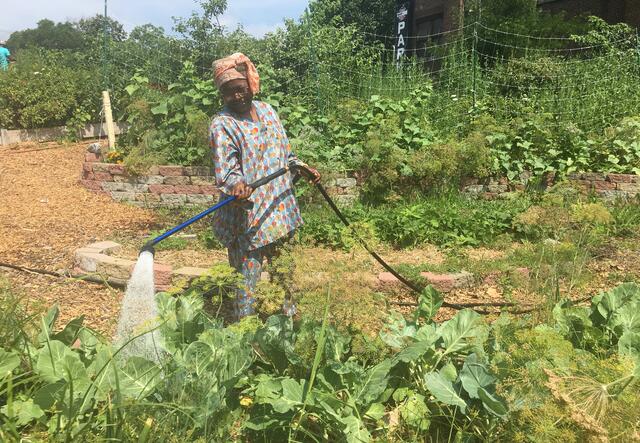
171, 243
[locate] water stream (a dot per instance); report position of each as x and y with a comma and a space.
139, 313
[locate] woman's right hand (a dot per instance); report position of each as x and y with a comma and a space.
241, 191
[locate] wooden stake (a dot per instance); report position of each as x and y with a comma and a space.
108, 117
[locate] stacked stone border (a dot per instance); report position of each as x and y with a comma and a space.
99, 259
173, 186
90, 130
604, 185
166, 186
449, 282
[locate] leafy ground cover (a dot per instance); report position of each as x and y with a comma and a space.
352, 367
570, 379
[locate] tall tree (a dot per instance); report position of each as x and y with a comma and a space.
94, 27
67, 35
202, 27
48, 35
147, 33
375, 17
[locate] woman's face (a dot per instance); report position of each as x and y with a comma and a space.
237, 96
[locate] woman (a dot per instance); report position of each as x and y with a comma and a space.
248, 143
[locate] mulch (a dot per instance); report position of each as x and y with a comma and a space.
99, 304
45, 215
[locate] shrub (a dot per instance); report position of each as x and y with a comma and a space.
172, 124
592, 214
46, 88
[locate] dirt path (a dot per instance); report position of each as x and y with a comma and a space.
45, 215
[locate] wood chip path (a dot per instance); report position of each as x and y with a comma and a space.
45, 215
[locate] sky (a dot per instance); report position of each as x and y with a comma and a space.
256, 16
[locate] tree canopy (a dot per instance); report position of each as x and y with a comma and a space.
67, 35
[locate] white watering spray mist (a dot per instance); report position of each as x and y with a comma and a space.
139, 313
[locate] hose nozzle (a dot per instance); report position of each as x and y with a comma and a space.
148, 247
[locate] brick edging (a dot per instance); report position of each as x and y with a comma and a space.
97, 258
173, 186
608, 186
161, 186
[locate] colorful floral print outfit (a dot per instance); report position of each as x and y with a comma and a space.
244, 150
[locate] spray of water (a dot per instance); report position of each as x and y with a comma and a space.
139, 313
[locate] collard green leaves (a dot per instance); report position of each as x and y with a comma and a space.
8, 362
443, 390
475, 375
457, 334
612, 321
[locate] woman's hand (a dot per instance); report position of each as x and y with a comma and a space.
241, 191
313, 175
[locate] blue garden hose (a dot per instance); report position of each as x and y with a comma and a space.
149, 246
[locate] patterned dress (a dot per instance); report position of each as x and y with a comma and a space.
244, 150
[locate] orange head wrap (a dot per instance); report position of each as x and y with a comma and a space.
236, 66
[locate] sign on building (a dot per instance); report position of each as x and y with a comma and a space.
403, 25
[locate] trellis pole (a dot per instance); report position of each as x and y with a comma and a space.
474, 54
313, 59
638, 46
108, 117
105, 49
106, 100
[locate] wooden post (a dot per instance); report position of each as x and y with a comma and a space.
108, 117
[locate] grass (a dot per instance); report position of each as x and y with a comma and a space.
169, 218
510, 242
17, 324
198, 235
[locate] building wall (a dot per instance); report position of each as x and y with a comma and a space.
632, 12
613, 11
575, 7
425, 10
448, 8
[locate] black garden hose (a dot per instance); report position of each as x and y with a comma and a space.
408, 283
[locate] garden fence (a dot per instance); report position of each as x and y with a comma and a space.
588, 83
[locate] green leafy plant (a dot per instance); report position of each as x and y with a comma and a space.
610, 321
278, 380
173, 124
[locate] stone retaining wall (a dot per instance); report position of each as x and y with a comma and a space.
174, 186
344, 191
166, 186
606, 186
